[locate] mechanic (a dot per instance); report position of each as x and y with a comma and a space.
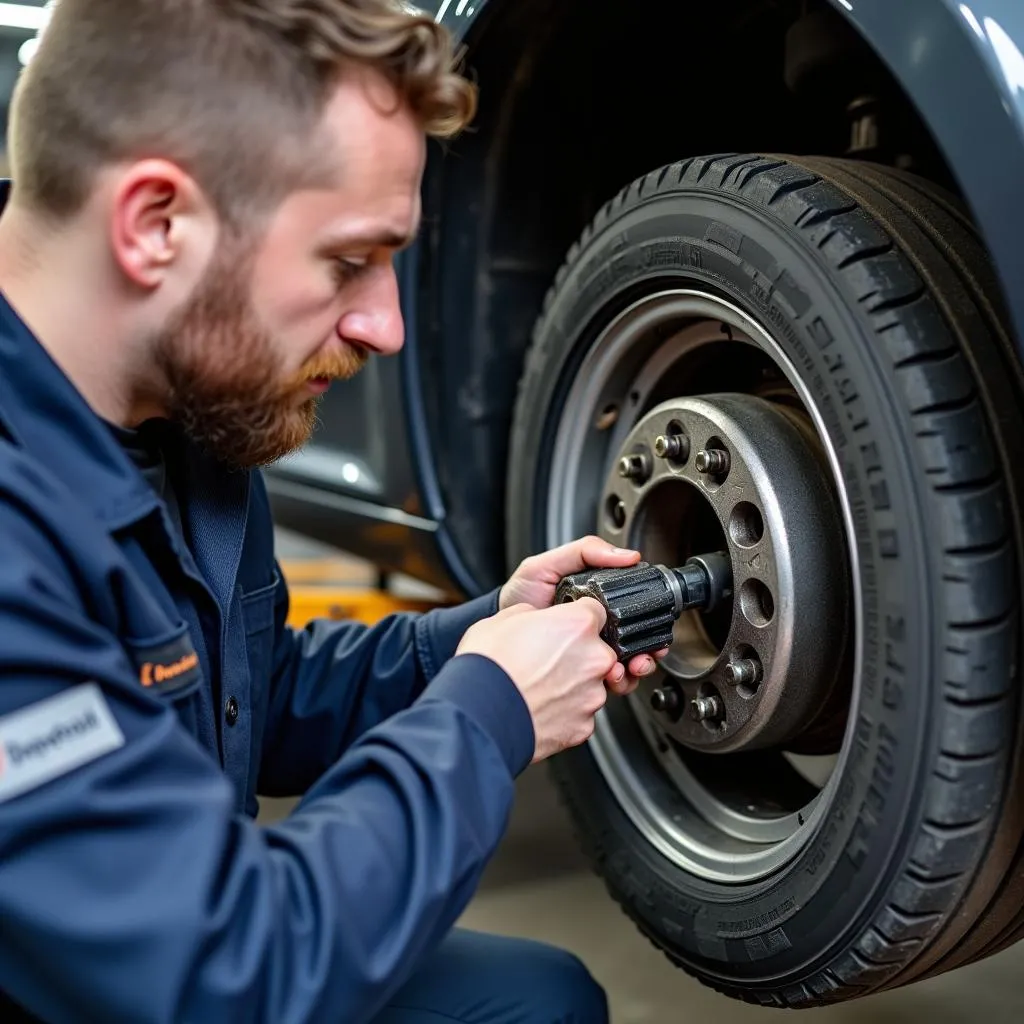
207, 198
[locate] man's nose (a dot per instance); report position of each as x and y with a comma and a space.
373, 319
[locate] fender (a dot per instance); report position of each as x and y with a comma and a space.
962, 66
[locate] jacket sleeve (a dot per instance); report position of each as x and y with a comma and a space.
334, 680
129, 885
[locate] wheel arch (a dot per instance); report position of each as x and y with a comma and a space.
490, 248
955, 56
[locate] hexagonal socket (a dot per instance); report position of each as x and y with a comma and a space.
706, 709
744, 672
714, 461
636, 467
672, 446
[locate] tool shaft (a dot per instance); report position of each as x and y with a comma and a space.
644, 601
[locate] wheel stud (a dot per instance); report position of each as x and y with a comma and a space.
634, 467
665, 699
617, 512
745, 672
672, 446
712, 460
706, 708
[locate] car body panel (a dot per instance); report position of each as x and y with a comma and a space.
368, 481
975, 114
962, 66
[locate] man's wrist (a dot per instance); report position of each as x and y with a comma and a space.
439, 632
486, 693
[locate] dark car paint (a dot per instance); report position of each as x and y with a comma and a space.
960, 64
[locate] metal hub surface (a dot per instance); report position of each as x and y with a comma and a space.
740, 815
733, 472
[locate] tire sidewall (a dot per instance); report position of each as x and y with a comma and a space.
720, 243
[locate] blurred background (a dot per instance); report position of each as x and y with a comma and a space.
19, 25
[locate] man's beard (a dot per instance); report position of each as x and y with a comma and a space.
224, 380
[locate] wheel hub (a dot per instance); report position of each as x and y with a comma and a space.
736, 473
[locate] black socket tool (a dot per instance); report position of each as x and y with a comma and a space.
643, 601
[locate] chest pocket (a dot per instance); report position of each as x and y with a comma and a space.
258, 622
170, 669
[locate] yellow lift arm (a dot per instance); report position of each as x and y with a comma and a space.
338, 588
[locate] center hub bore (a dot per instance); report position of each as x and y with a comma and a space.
735, 473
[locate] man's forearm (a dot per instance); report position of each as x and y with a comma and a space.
438, 632
335, 680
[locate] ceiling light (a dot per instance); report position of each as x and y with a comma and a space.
32, 19
27, 50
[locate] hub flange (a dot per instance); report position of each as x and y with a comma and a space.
736, 473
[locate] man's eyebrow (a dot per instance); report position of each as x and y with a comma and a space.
384, 238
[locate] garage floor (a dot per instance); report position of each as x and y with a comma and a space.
539, 886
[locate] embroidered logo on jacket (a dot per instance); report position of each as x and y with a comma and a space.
168, 667
150, 674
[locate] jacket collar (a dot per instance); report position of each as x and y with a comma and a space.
45, 414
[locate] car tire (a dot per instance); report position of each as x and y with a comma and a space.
885, 316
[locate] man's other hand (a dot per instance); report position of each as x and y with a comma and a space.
534, 583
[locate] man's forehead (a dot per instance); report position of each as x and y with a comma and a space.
370, 131
338, 219
374, 201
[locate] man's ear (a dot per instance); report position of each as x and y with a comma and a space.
160, 220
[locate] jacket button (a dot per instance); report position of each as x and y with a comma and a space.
231, 711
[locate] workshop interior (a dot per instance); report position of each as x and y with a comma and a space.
739, 285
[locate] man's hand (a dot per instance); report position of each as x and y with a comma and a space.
558, 662
534, 583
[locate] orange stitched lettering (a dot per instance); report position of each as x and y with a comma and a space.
151, 674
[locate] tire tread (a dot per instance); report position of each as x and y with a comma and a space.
959, 455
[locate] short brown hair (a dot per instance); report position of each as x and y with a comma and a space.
232, 90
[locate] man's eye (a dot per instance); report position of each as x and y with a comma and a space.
347, 269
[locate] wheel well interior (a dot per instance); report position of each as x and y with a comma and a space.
577, 99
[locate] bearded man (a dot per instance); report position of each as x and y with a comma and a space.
207, 197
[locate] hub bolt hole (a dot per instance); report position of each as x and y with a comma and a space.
673, 445
744, 671
708, 708
616, 511
757, 603
746, 526
666, 701
713, 461
635, 467
607, 417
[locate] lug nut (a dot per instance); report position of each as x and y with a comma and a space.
672, 446
704, 708
712, 460
745, 672
665, 699
634, 467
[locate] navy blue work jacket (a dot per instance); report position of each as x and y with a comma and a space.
150, 688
